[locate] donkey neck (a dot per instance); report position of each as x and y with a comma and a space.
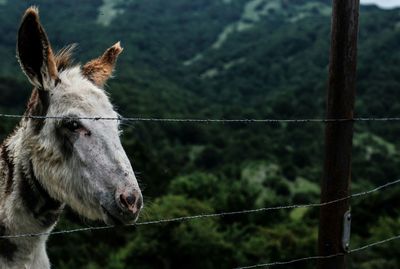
25, 206
20, 181
43, 208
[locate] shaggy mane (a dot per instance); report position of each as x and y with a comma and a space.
63, 57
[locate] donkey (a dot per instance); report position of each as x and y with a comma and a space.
48, 163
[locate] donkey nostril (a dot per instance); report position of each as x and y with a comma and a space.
123, 201
131, 203
131, 200
127, 201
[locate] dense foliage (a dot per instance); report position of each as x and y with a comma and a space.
275, 68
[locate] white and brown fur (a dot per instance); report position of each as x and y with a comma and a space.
49, 163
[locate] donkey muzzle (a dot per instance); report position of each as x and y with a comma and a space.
130, 202
124, 209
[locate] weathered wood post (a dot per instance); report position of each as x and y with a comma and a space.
339, 135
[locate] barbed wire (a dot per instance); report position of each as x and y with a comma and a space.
311, 258
198, 120
397, 237
209, 215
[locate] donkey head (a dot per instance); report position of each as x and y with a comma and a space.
80, 162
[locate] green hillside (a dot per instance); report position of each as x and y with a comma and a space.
224, 59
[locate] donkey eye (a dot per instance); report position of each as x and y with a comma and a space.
72, 125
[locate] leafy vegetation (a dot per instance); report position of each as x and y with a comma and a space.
275, 68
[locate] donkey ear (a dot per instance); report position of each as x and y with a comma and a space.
100, 70
34, 52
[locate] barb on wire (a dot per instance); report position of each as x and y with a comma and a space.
212, 215
198, 120
359, 249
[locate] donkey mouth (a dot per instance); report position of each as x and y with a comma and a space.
109, 218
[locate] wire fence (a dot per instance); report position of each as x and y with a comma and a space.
380, 188
223, 214
212, 215
313, 258
201, 120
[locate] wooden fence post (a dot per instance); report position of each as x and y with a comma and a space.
338, 135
